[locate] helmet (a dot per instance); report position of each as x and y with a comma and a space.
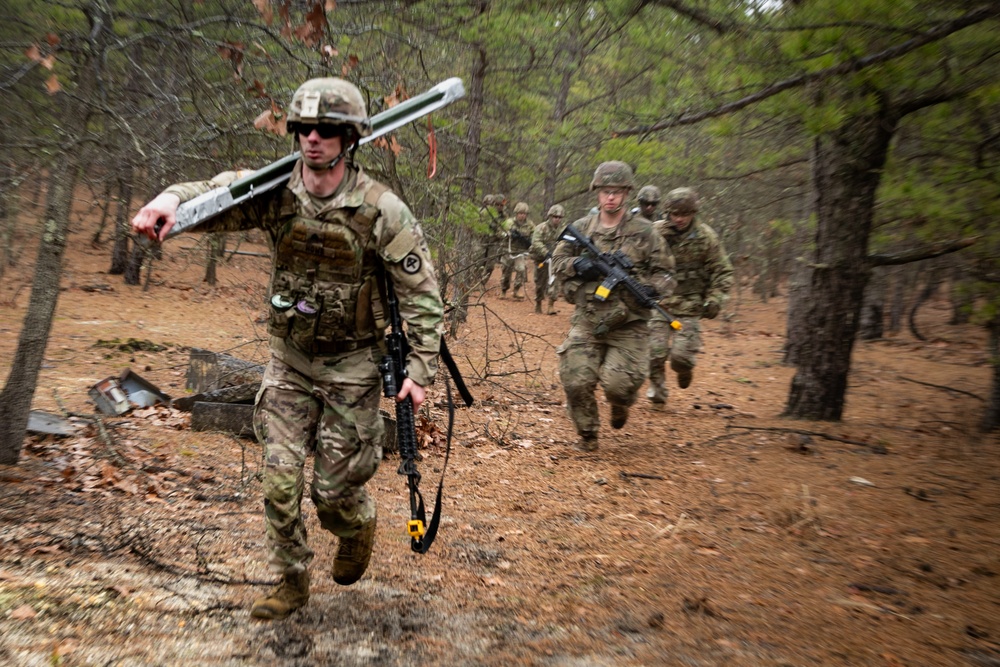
682, 201
649, 194
613, 174
556, 210
332, 101
521, 207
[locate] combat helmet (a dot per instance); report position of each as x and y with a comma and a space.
682, 201
521, 207
649, 194
556, 210
613, 174
329, 101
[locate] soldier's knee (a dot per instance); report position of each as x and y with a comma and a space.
281, 487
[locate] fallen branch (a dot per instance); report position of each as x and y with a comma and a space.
640, 475
941, 386
877, 449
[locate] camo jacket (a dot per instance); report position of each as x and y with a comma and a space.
543, 239
703, 273
397, 241
652, 265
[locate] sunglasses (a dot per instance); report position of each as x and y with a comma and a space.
324, 130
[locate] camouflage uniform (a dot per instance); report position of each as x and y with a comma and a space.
704, 276
322, 387
608, 342
543, 240
490, 248
515, 251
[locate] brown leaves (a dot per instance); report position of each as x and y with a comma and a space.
23, 613
233, 52
265, 11
311, 32
351, 63
272, 120
34, 54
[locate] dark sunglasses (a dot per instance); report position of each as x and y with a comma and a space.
324, 130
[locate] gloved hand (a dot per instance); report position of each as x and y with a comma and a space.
710, 309
585, 268
650, 292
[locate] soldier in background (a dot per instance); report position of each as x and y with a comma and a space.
704, 277
543, 240
336, 236
517, 241
492, 213
649, 201
608, 342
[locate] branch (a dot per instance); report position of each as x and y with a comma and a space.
937, 33
924, 252
941, 386
718, 25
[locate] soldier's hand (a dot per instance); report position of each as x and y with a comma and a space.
585, 269
162, 208
650, 292
414, 391
710, 309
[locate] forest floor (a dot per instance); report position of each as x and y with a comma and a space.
710, 533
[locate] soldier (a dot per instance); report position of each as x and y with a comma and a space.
649, 201
336, 236
516, 238
492, 213
704, 278
608, 341
543, 240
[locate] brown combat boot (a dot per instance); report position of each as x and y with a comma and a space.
289, 595
538, 307
684, 377
587, 443
503, 294
353, 555
552, 307
619, 415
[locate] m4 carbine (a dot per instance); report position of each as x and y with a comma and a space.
615, 269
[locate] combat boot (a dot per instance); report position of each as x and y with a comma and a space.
619, 415
517, 294
353, 555
684, 372
552, 307
289, 595
538, 307
587, 443
656, 393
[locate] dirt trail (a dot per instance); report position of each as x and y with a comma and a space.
710, 533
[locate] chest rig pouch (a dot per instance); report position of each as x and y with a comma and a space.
325, 297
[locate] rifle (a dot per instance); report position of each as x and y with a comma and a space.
393, 370
204, 207
520, 238
615, 268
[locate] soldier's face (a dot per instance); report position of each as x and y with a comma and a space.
318, 151
681, 222
521, 217
647, 208
611, 200
555, 220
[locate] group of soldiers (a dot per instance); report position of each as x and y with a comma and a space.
345, 247
614, 340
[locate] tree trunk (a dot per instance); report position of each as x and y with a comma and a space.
123, 228
15, 399
992, 417
847, 170
873, 309
474, 133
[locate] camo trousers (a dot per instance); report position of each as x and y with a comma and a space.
336, 419
681, 347
617, 361
516, 265
542, 287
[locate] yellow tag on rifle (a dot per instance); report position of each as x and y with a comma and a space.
602, 292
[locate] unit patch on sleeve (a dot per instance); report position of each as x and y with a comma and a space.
412, 263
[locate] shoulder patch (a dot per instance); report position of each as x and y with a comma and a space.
412, 264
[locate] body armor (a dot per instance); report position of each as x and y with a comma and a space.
325, 291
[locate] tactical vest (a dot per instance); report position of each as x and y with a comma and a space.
325, 290
690, 278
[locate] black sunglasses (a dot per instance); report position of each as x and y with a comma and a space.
324, 130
